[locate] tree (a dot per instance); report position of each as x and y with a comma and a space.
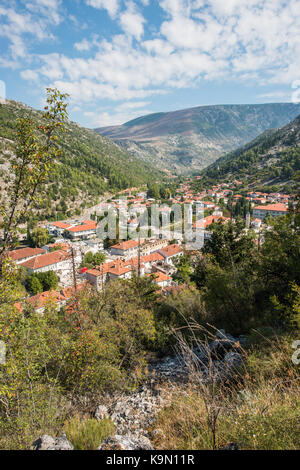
49, 280
39, 237
229, 243
184, 269
92, 260
34, 285
37, 150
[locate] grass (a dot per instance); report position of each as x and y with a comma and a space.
262, 413
87, 434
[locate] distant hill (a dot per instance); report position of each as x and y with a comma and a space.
194, 138
90, 164
272, 159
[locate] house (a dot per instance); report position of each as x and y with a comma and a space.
152, 259
170, 252
152, 246
58, 228
40, 301
25, 254
86, 229
55, 261
161, 279
274, 210
126, 249
118, 269
256, 223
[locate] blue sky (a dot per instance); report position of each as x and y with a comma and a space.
119, 59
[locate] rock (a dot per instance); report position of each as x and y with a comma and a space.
223, 343
233, 360
127, 442
101, 412
46, 442
230, 446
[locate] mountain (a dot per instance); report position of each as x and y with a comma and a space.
90, 165
272, 159
193, 138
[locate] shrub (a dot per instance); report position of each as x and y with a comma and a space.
87, 434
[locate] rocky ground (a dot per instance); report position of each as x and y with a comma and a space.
134, 414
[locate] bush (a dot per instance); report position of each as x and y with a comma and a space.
261, 413
87, 434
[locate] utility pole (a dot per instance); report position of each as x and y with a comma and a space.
74, 270
139, 257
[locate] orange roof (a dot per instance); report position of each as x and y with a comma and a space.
61, 225
15, 255
126, 245
273, 207
39, 300
46, 260
160, 277
83, 228
117, 268
203, 223
171, 250
152, 257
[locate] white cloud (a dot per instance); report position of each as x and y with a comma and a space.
112, 6
254, 41
132, 22
30, 75
83, 45
112, 119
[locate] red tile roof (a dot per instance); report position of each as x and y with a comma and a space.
60, 225
83, 228
46, 260
170, 250
273, 207
16, 255
152, 257
160, 277
126, 245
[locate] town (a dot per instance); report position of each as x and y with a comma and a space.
79, 254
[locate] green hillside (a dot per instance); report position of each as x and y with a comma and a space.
272, 159
90, 166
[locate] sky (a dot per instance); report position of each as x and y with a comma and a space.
120, 59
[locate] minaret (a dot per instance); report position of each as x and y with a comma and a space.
248, 218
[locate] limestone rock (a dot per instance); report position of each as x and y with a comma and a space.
126, 442
46, 442
101, 412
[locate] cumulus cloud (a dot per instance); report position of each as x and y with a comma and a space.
112, 6
242, 40
132, 21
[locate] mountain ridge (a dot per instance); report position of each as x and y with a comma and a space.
196, 137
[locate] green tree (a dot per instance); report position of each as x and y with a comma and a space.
34, 285
37, 150
39, 237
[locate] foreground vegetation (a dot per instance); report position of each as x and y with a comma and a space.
262, 412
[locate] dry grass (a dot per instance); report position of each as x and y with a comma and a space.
262, 412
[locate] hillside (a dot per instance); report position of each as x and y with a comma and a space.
90, 166
196, 137
271, 159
